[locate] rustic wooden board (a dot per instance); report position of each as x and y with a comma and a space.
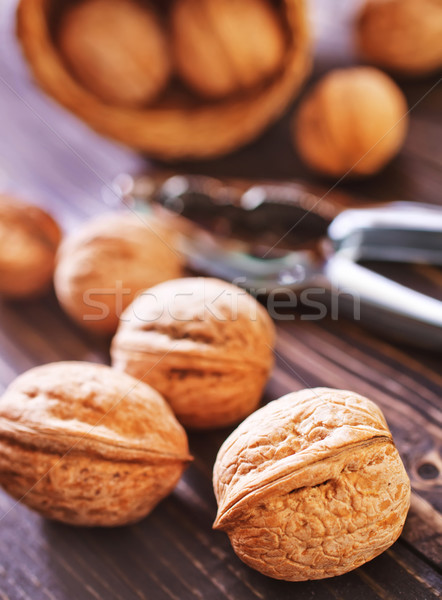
174, 553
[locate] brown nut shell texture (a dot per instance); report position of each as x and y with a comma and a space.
352, 122
311, 485
107, 261
86, 445
117, 49
29, 238
205, 344
402, 35
225, 46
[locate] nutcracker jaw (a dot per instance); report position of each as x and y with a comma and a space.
273, 237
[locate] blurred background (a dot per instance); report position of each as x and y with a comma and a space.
51, 156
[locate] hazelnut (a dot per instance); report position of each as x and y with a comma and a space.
215, 343
86, 445
311, 485
225, 46
29, 238
117, 50
352, 123
402, 35
102, 266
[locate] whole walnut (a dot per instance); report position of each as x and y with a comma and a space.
29, 238
117, 49
86, 445
106, 262
204, 344
311, 486
402, 35
225, 46
352, 122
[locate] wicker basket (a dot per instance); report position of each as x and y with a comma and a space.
176, 127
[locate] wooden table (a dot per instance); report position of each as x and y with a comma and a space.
48, 155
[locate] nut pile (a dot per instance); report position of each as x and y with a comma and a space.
125, 53
311, 485
90, 445
354, 121
308, 487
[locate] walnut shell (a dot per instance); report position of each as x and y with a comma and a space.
29, 238
311, 485
402, 35
104, 264
352, 123
224, 46
203, 343
117, 49
86, 445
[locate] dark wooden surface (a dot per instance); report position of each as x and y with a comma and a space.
50, 157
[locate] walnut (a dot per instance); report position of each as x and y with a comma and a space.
402, 35
225, 46
29, 238
311, 485
86, 445
203, 343
117, 50
352, 123
102, 266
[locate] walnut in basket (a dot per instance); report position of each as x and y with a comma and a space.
177, 125
402, 35
311, 485
205, 344
86, 445
106, 262
352, 123
225, 46
29, 238
117, 49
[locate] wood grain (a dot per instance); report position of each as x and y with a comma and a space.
174, 554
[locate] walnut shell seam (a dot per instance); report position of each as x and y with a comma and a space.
288, 483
